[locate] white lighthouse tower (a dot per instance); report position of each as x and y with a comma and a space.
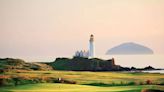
91, 46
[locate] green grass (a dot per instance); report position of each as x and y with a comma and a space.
47, 87
86, 81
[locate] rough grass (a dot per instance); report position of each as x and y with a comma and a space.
47, 87
95, 77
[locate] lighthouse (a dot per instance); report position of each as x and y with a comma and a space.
91, 46
87, 54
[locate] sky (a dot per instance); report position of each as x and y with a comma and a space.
39, 28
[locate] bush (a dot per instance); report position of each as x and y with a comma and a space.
131, 83
112, 84
2, 71
101, 84
2, 82
26, 81
148, 82
151, 90
19, 80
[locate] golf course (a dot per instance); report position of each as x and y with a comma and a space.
84, 81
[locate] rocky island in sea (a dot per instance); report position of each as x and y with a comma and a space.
129, 48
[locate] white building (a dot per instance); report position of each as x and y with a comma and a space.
82, 54
90, 53
91, 47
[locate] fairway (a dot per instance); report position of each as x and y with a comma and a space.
55, 87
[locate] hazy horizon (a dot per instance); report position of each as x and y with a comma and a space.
42, 28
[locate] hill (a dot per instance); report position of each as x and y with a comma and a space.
130, 48
19, 64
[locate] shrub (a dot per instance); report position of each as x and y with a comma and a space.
100, 84
148, 82
151, 90
131, 83
2, 71
20, 80
69, 82
16, 80
2, 82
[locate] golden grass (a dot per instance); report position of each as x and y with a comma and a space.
93, 77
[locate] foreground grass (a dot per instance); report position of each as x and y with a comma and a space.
54, 87
84, 81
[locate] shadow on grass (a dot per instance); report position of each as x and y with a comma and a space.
109, 85
131, 90
99, 84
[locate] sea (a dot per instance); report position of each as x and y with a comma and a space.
155, 71
138, 61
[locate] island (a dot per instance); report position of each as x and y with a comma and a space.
129, 48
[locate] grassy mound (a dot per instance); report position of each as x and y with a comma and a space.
9, 64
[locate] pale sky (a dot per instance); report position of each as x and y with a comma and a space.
60, 27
